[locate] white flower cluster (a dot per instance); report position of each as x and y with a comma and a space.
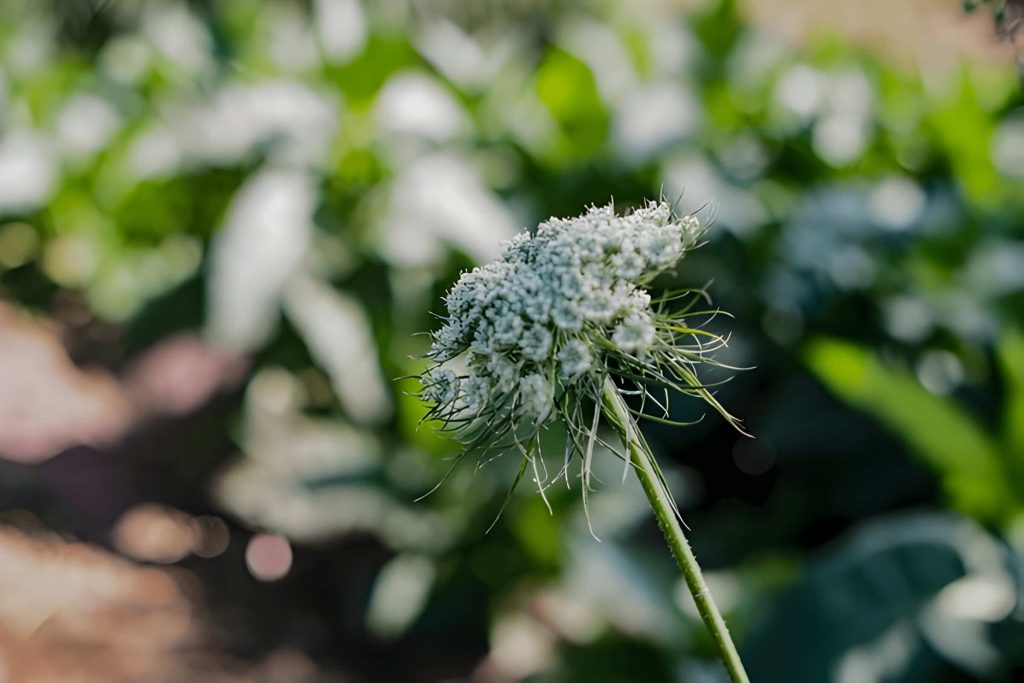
533, 320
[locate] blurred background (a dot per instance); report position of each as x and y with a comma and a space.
222, 225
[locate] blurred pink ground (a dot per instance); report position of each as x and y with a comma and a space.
70, 612
931, 35
48, 404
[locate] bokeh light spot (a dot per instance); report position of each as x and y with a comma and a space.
268, 557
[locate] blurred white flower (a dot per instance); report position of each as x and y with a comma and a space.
597, 45
414, 104
654, 116
179, 35
801, 90
341, 26
126, 59
86, 124
845, 118
399, 594
463, 57
897, 202
319, 473
156, 153
292, 43
28, 171
261, 244
1008, 146
296, 122
439, 201
337, 332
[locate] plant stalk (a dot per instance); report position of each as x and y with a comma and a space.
647, 471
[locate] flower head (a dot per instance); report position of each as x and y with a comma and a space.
440, 387
561, 311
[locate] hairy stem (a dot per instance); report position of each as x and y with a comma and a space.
664, 510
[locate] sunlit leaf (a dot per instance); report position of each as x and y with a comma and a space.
1011, 359
940, 432
566, 86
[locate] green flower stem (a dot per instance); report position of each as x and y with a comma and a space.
647, 471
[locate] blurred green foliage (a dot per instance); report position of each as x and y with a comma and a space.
981, 479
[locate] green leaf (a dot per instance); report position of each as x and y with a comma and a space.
964, 128
872, 594
567, 87
966, 460
363, 76
1011, 360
